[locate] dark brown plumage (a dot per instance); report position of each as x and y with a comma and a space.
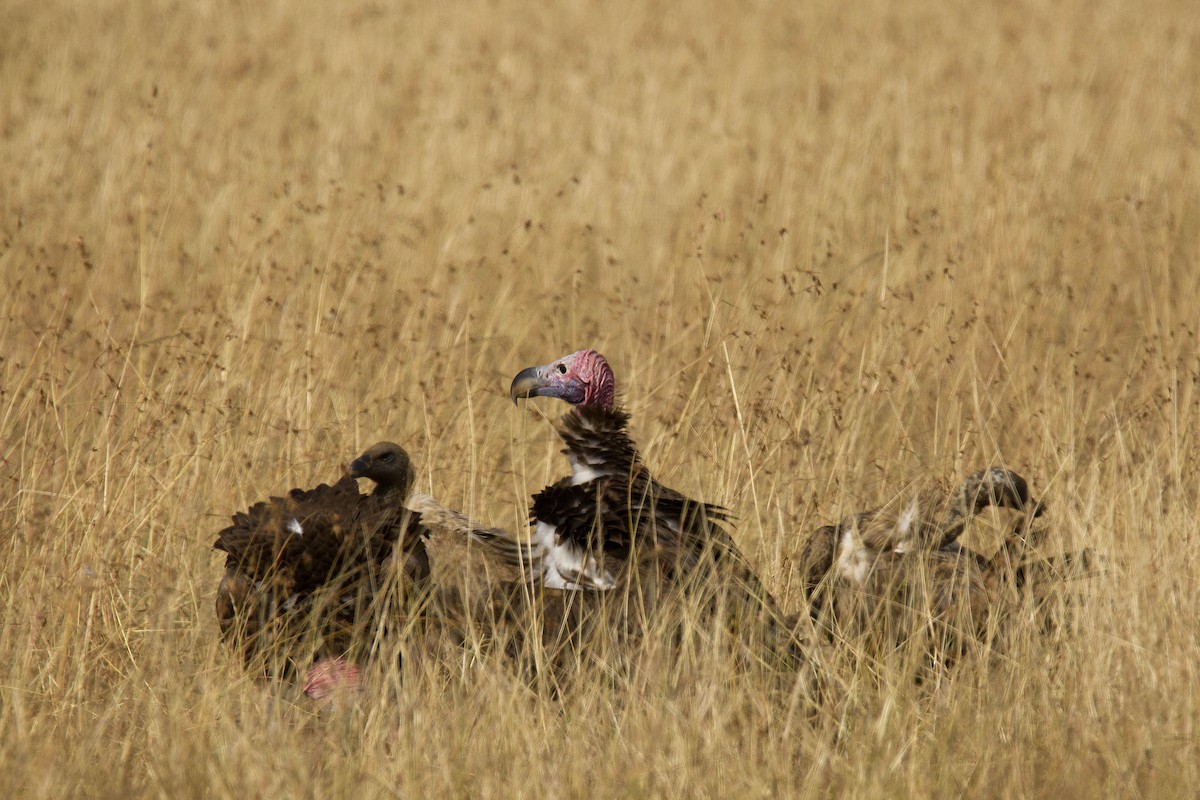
326, 550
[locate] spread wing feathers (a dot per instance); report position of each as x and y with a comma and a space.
319, 551
502, 544
310, 536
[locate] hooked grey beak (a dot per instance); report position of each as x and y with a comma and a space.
526, 384
358, 467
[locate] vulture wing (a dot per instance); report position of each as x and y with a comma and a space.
595, 534
503, 544
311, 536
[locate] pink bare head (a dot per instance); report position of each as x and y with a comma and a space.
583, 378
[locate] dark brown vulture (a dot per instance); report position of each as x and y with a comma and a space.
901, 566
610, 524
315, 559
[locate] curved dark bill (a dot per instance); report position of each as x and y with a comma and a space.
526, 384
359, 466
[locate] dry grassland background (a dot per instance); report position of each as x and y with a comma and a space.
830, 248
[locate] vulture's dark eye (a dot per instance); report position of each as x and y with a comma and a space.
562, 369
386, 457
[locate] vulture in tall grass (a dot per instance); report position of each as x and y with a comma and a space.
901, 566
318, 560
610, 523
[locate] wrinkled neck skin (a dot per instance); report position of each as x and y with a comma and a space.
599, 385
601, 391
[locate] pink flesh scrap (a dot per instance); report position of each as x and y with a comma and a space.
331, 676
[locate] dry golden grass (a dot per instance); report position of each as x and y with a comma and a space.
828, 247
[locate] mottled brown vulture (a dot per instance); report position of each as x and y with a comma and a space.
315, 560
901, 567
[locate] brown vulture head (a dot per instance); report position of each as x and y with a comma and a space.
583, 378
388, 465
998, 487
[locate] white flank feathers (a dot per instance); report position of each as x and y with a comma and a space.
854, 562
564, 566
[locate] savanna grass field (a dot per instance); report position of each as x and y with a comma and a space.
830, 249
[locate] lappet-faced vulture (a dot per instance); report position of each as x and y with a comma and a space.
610, 520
